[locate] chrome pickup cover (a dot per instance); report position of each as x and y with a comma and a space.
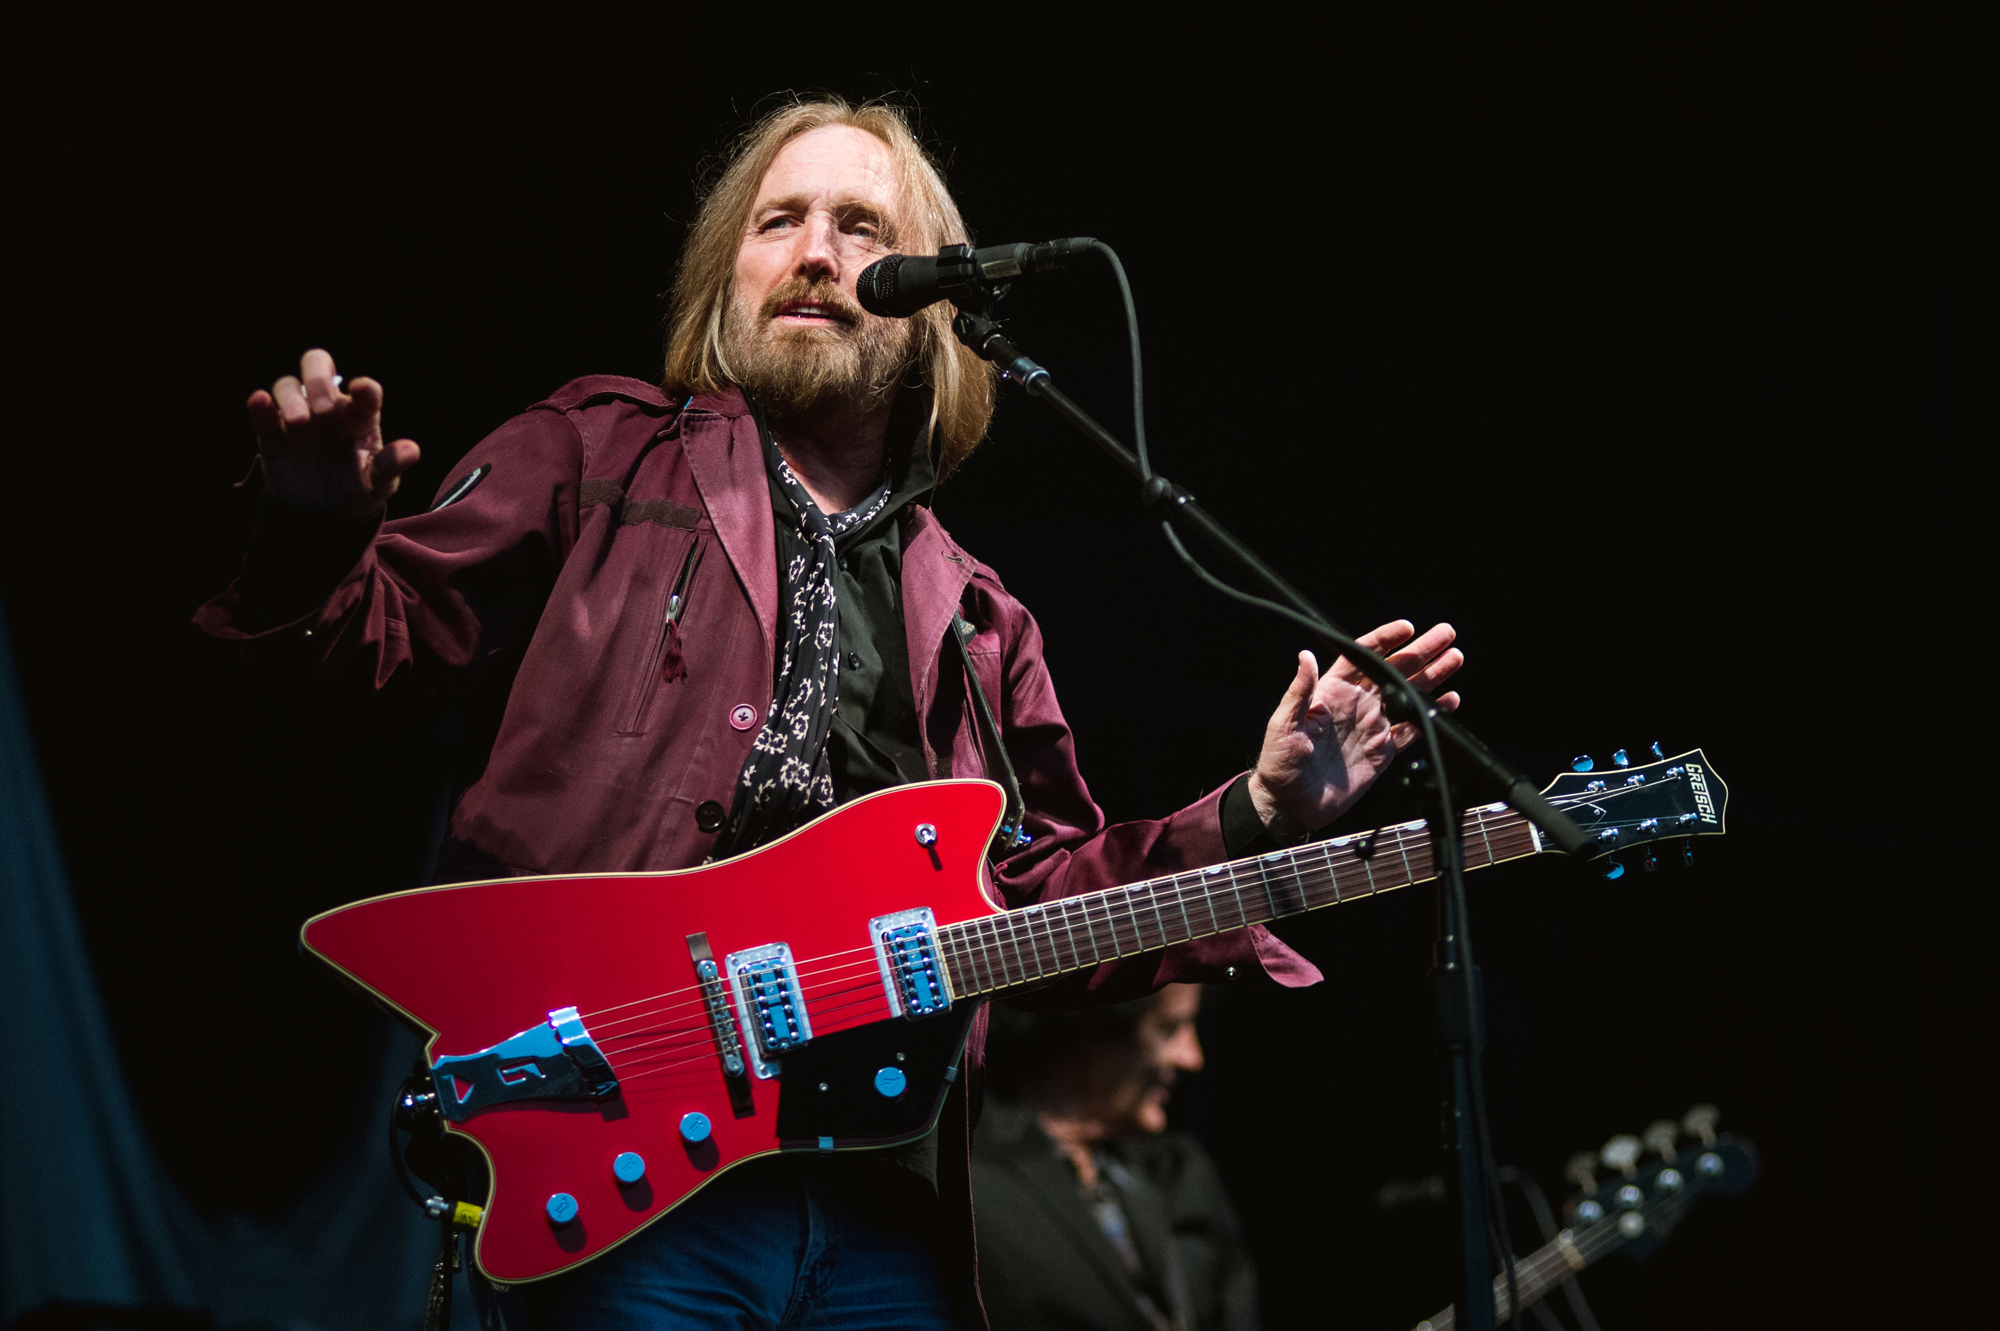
766, 985
556, 1060
906, 950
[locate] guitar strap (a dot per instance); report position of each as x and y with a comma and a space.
1011, 834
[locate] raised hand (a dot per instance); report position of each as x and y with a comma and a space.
322, 448
1329, 738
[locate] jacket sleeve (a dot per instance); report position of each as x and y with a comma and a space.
1074, 851
430, 597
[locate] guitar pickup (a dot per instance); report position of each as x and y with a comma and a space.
906, 950
766, 984
556, 1060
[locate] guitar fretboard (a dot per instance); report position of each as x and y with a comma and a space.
1021, 947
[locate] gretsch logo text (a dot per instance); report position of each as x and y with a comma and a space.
1701, 799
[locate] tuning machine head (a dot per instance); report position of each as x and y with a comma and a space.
1582, 1170
1660, 1136
1622, 1154
1700, 1121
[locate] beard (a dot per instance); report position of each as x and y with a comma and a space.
849, 367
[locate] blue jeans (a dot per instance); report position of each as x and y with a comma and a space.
775, 1245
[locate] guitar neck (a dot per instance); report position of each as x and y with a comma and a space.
1559, 1260
1019, 948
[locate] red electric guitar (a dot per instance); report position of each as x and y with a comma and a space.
612, 1042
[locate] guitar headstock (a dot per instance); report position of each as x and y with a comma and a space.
1627, 807
1642, 1202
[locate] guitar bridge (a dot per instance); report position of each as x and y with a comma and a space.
766, 983
556, 1060
906, 949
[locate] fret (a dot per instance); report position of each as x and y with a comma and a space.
1367, 866
1013, 940
1264, 879
1023, 925
1153, 895
1305, 900
1236, 894
1479, 821
1332, 870
978, 971
1180, 899
1208, 896
994, 954
1403, 849
1138, 929
1095, 956
1049, 932
1116, 950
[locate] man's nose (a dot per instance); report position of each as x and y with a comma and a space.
1185, 1051
819, 248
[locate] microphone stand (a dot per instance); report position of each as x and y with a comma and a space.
1455, 984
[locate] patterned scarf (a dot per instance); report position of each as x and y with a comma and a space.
786, 782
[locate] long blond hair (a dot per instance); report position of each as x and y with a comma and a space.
960, 383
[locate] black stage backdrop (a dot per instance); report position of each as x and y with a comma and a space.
1639, 365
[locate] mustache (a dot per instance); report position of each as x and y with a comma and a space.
819, 291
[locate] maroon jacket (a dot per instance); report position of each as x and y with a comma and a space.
557, 565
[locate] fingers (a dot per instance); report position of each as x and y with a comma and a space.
386, 468
265, 418
320, 383
1299, 694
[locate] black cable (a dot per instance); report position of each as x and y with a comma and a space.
1453, 874
1545, 1219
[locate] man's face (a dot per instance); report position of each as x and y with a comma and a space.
794, 330
1136, 1083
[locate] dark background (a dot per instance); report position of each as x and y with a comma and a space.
1637, 359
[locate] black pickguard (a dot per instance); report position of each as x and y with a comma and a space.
850, 1110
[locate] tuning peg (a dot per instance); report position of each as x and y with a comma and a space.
1622, 1154
1687, 851
1700, 1121
1620, 759
1582, 1170
1655, 750
1649, 861
1613, 869
1583, 762
1661, 1134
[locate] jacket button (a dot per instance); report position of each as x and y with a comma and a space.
708, 816
743, 716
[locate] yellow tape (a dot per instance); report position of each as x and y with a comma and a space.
466, 1216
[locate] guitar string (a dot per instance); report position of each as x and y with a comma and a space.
1404, 833
1173, 892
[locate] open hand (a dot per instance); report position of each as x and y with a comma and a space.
1330, 739
322, 448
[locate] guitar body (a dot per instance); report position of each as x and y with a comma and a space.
492, 968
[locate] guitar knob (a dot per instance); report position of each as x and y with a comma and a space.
1700, 1122
1621, 759
562, 1208
629, 1167
1622, 1154
1660, 1136
695, 1128
1583, 762
1582, 1170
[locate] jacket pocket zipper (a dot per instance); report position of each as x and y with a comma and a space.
667, 664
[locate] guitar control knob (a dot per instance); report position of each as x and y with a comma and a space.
629, 1167
1700, 1121
694, 1128
1622, 1154
562, 1208
889, 1082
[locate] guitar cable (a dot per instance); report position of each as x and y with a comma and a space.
1156, 491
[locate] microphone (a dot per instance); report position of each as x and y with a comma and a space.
900, 285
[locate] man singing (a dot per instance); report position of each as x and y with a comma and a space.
693, 616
